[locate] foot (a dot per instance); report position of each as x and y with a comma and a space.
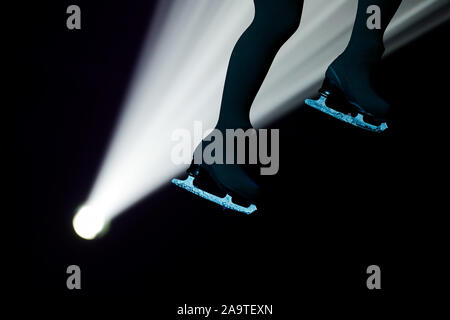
200, 183
233, 179
353, 78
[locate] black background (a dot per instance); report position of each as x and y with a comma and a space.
343, 199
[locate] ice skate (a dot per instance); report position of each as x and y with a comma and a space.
348, 92
233, 185
335, 102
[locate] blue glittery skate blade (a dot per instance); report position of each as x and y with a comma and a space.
225, 202
357, 121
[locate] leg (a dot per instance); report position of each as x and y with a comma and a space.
365, 43
273, 25
362, 55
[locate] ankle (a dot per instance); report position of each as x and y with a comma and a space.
369, 52
224, 125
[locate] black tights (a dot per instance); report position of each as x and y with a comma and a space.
274, 23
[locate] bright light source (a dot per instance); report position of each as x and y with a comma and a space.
180, 76
88, 223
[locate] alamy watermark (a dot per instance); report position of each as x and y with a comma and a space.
239, 146
74, 279
73, 21
374, 20
374, 280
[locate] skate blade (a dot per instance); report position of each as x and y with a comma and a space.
225, 202
357, 121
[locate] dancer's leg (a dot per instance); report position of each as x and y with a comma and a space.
274, 23
367, 43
